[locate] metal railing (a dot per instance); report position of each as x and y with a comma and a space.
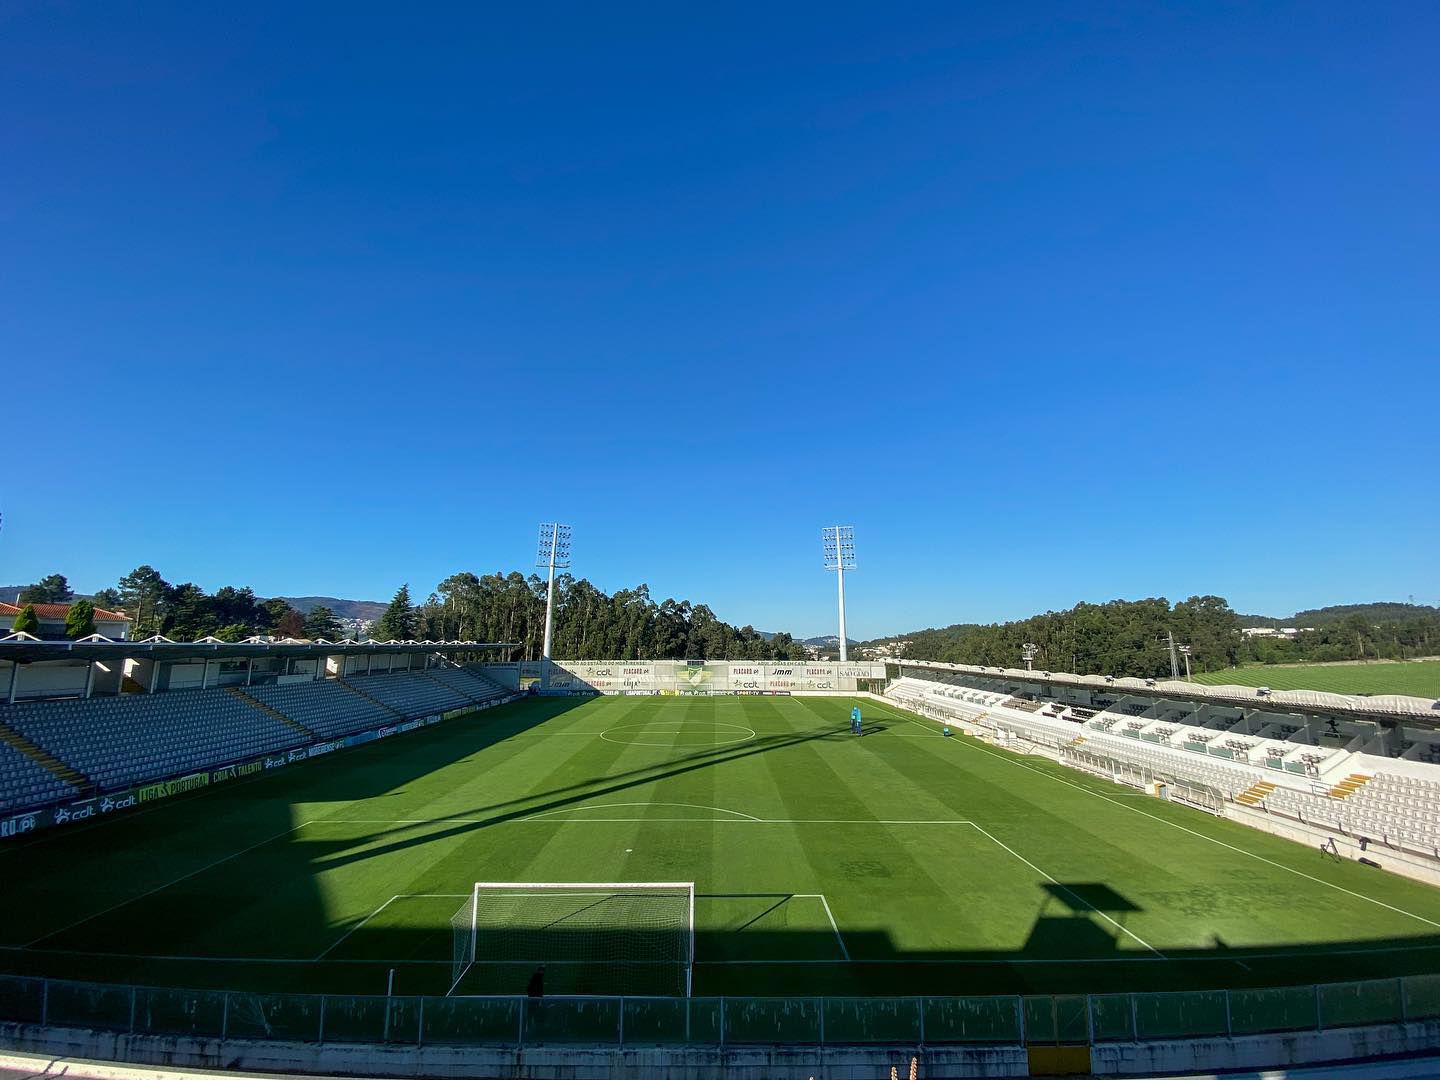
654, 1021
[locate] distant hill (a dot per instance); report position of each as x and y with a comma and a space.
366, 610
830, 642
1382, 612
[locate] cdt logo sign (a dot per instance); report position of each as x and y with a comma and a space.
77, 812
109, 805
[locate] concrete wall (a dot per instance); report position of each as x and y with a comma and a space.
48, 680
89, 1055
1399, 862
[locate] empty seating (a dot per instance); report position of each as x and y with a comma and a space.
327, 707
476, 687
411, 693
117, 741
25, 783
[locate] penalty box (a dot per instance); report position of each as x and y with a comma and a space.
729, 927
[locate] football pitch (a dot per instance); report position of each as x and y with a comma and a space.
898, 862
1418, 678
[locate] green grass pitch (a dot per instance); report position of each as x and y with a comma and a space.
1420, 678
947, 866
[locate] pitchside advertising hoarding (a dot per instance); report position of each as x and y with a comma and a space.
144, 794
673, 678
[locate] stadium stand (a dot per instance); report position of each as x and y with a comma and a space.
1318, 785
476, 688
409, 694
328, 707
25, 782
124, 740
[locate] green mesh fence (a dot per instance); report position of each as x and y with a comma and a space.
89, 1005
1113, 1016
1281, 1008
615, 1021
1180, 1015
873, 1020
22, 1000
670, 1021
1056, 1019
1351, 1004
466, 1021
159, 1011
972, 1020
1422, 997
772, 1020
582, 1020
293, 1017
372, 1019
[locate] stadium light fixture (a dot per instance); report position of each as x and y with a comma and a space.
839, 541
553, 552
1028, 652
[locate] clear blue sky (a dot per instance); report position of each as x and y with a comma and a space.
1053, 303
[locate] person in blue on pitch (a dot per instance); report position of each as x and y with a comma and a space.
855, 728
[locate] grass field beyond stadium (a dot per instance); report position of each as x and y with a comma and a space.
896, 863
1417, 678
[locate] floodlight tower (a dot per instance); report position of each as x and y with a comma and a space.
1028, 652
839, 543
554, 551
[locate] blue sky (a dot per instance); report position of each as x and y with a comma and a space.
1053, 303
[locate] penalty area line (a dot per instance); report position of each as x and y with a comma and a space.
1054, 881
1199, 835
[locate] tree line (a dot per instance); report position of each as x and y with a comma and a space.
183, 612
1131, 638
589, 623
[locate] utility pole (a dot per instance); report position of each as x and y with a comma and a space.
1174, 662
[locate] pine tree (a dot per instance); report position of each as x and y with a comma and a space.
398, 622
27, 621
321, 623
80, 620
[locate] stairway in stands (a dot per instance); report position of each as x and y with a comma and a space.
1255, 793
235, 691
370, 698
42, 757
1351, 784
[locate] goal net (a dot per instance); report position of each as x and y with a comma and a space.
605, 937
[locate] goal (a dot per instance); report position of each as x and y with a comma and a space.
592, 937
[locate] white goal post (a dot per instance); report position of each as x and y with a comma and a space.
607, 937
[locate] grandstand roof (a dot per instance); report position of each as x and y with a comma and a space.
57, 612
1391, 706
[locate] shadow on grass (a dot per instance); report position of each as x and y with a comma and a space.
138, 898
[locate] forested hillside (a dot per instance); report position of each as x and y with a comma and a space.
1127, 637
1334, 613
589, 624
1123, 637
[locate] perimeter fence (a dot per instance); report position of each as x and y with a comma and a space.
650, 1021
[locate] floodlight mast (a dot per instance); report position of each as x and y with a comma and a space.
554, 551
839, 541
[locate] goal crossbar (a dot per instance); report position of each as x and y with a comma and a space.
596, 929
